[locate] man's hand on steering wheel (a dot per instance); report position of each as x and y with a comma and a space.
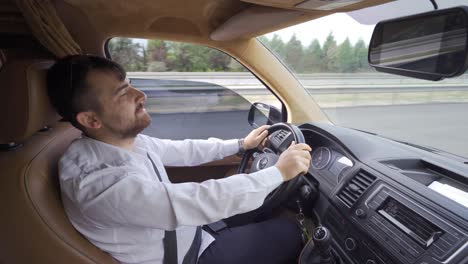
290, 161
294, 161
255, 137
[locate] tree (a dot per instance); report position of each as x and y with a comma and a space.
277, 46
345, 60
127, 54
235, 66
293, 54
218, 60
329, 51
313, 57
360, 55
186, 57
156, 51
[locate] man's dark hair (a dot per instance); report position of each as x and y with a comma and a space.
67, 88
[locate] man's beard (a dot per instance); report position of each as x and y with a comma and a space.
131, 131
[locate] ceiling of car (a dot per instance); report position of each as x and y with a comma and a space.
218, 20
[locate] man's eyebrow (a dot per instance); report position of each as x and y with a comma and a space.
120, 88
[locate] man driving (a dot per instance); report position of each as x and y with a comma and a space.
116, 192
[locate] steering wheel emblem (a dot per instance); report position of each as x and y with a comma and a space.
262, 163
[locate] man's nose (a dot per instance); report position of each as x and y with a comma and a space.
139, 95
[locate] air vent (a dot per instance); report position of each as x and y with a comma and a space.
418, 228
351, 192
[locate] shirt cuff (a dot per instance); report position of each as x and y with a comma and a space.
231, 147
269, 176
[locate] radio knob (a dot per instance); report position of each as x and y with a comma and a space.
360, 213
350, 244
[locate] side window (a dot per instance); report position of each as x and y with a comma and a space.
193, 91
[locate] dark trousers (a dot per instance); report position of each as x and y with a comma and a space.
274, 241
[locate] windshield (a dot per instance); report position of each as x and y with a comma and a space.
329, 57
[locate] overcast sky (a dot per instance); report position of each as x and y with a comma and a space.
342, 25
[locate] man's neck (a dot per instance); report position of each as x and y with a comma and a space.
125, 143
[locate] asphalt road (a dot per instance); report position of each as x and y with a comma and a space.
443, 126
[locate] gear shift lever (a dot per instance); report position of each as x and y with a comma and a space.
322, 239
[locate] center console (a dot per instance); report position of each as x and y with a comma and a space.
383, 225
392, 203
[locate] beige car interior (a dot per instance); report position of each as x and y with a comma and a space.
34, 227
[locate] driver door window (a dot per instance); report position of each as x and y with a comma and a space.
193, 91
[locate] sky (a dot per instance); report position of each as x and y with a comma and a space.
341, 24
344, 25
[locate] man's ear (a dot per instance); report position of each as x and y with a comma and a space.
88, 120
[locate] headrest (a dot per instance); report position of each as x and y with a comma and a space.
24, 104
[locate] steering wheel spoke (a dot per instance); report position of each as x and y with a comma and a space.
276, 143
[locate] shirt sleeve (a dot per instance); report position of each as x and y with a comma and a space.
135, 201
192, 152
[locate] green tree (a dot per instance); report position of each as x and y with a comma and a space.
186, 57
329, 51
130, 55
293, 54
345, 59
277, 46
313, 57
218, 60
156, 51
360, 55
235, 66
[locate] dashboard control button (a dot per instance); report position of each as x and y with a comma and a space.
360, 213
371, 261
350, 244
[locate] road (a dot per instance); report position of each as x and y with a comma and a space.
443, 126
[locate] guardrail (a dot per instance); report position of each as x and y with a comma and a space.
335, 77
316, 84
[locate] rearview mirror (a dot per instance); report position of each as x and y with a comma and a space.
429, 46
263, 114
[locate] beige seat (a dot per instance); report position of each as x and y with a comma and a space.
33, 225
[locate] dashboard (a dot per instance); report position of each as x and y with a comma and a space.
378, 199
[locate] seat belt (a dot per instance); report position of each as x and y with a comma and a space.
170, 239
192, 254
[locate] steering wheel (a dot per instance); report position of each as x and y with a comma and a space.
279, 138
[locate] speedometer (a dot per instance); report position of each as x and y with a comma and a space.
321, 157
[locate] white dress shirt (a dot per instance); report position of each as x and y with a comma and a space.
114, 198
